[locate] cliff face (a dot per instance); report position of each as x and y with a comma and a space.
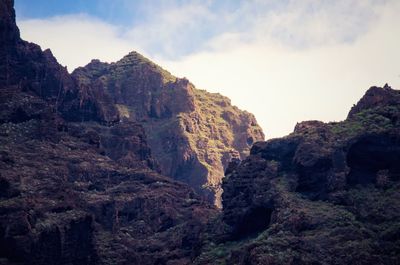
193, 134
77, 185
25, 68
79, 193
329, 193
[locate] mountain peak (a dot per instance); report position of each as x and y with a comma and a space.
8, 28
89, 163
137, 62
375, 97
192, 133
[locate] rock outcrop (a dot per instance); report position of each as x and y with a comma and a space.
24, 67
82, 159
77, 184
82, 194
193, 134
329, 193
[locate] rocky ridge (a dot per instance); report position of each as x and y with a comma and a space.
329, 193
77, 185
193, 134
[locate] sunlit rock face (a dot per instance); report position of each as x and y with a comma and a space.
78, 183
193, 134
89, 164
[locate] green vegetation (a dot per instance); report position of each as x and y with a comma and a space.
182, 123
136, 62
369, 120
310, 226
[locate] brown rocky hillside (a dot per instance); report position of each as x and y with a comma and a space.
84, 159
193, 134
329, 193
77, 186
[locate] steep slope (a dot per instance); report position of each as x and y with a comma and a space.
25, 68
329, 193
77, 185
193, 134
64, 201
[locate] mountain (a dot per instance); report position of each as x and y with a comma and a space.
90, 164
77, 184
193, 134
329, 193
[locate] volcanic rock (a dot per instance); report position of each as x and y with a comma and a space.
193, 134
78, 184
329, 193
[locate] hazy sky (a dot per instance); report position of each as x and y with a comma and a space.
283, 60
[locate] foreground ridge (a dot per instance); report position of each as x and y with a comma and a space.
77, 186
83, 159
329, 193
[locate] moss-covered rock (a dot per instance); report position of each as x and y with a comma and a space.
325, 194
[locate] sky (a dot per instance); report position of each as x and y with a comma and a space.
285, 61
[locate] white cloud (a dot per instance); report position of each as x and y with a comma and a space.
282, 83
77, 39
283, 62
173, 30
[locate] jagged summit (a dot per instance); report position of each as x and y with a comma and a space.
329, 193
135, 59
8, 28
375, 97
81, 158
193, 133
77, 185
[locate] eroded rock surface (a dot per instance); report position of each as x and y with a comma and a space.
329, 193
193, 134
77, 184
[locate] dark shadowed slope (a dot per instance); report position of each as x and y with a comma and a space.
77, 186
193, 134
81, 156
329, 193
